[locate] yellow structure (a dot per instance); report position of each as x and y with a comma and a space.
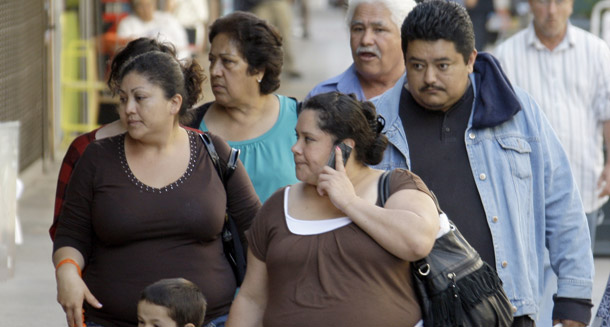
80, 84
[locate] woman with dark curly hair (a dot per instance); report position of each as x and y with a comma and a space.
245, 66
147, 204
324, 252
79, 144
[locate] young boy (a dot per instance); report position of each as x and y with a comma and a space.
174, 302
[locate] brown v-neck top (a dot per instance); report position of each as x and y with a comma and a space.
132, 235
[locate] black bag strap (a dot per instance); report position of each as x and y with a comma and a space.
383, 187
232, 246
231, 165
383, 191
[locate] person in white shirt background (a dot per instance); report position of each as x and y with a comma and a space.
567, 71
147, 21
193, 15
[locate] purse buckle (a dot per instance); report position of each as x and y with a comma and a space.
424, 270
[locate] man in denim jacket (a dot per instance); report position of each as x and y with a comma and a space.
498, 169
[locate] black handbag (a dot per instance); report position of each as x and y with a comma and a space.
231, 243
454, 286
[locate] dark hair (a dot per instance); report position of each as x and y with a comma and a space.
182, 298
132, 49
259, 43
343, 116
157, 61
439, 19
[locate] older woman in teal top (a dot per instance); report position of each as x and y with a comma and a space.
245, 65
265, 158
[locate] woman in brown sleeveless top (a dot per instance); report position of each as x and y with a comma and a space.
322, 252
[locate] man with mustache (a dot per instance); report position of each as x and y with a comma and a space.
499, 171
378, 71
567, 71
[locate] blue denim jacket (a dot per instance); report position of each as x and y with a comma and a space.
526, 187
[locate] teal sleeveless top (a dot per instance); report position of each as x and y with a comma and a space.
268, 158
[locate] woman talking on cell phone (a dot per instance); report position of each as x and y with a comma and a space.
322, 252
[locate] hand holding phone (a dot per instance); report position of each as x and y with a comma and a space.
346, 150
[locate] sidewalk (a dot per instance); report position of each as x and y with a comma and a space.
28, 299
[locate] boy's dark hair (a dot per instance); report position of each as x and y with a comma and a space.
438, 19
343, 116
181, 297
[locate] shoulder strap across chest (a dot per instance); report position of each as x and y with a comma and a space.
226, 171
